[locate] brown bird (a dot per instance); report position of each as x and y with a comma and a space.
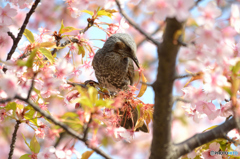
114, 69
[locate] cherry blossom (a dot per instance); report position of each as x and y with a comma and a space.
208, 36
47, 153
182, 8
162, 9
63, 68
6, 15
208, 13
212, 147
207, 108
9, 84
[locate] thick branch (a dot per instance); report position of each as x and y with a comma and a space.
14, 137
132, 23
167, 53
203, 138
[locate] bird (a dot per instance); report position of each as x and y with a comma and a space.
114, 69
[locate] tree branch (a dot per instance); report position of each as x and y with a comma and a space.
153, 33
85, 133
167, 53
14, 136
132, 23
32, 84
62, 125
19, 36
11, 35
187, 75
203, 138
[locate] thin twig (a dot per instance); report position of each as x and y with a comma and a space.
87, 128
179, 99
6, 100
19, 36
148, 84
231, 140
11, 35
32, 84
153, 33
132, 23
185, 76
14, 137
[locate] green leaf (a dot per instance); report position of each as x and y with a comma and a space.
88, 12
11, 106
20, 106
212, 127
26, 141
34, 145
228, 90
87, 154
85, 101
81, 50
29, 35
47, 44
68, 29
25, 156
69, 115
62, 26
29, 116
104, 13
236, 68
93, 94
29, 61
47, 53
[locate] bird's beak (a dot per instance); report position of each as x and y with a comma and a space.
136, 61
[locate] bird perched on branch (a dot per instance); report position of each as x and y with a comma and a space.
114, 69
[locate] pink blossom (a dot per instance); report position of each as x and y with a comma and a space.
123, 25
192, 154
226, 109
162, 9
76, 6
33, 155
2, 114
40, 133
6, 15
191, 111
87, 65
24, 3
107, 4
234, 134
208, 36
212, 147
47, 153
73, 48
209, 13
3, 29
93, 142
214, 81
9, 84
235, 17
182, 8
63, 68
207, 108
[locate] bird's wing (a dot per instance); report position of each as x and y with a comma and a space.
130, 73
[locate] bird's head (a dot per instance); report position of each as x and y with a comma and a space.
122, 44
